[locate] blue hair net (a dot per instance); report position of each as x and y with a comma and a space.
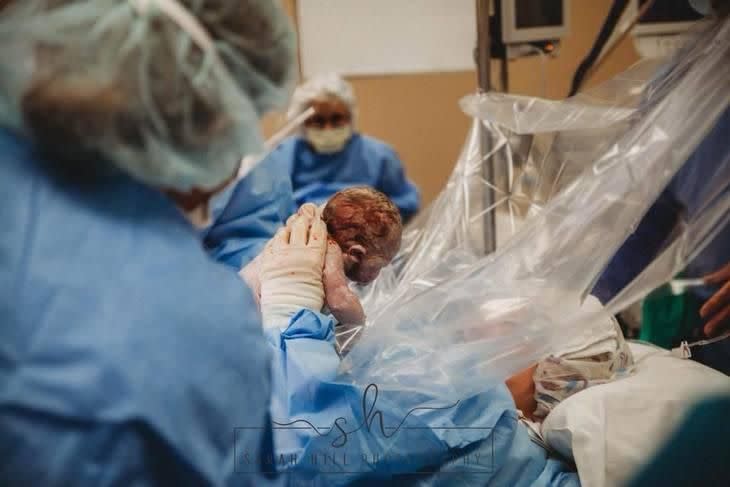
168, 90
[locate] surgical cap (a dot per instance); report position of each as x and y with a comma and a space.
170, 91
319, 88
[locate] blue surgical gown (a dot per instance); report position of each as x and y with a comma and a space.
127, 355
364, 161
247, 215
330, 431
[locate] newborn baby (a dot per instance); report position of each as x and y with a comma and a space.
364, 229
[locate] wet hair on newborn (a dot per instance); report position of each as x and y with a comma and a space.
364, 221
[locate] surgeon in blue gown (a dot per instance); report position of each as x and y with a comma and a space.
330, 155
127, 355
147, 372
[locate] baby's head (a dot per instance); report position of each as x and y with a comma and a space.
367, 227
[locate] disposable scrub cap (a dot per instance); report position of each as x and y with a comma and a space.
322, 87
168, 90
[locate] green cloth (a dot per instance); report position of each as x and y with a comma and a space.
667, 318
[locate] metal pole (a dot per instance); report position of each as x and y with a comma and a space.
483, 52
482, 56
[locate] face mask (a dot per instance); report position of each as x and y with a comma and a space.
328, 141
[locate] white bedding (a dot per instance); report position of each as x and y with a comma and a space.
612, 429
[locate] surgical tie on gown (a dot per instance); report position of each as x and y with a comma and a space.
127, 356
248, 214
364, 161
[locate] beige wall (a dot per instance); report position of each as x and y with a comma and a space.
419, 115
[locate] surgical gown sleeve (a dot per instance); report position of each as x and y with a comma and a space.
690, 188
394, 183
127, 356
247, 215
640, 248
331, 431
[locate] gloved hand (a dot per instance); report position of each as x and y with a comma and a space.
308, 210
251, 272
291, 269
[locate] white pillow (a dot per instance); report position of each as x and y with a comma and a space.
612, 429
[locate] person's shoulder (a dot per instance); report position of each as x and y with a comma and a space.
289, 145
284, 153
20, 182
377, 146
9, 139
12, 140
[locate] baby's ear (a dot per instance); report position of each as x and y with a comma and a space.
357, 252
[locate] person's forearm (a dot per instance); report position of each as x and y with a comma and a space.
522, 388
250, 275
342, 302
640, 248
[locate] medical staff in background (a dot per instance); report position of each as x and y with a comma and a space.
703, 310
330, 154
127, 355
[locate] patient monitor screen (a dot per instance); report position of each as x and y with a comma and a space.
535, 14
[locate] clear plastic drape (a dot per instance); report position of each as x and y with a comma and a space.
576, 177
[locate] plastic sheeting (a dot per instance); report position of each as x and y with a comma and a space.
329, 431
448, 321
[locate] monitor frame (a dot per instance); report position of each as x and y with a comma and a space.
656, 28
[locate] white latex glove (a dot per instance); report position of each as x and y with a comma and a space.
251, 273
291, 269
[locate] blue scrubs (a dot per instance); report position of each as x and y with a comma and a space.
248, 214
330, 431
364, 161
127, 356
699, 179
